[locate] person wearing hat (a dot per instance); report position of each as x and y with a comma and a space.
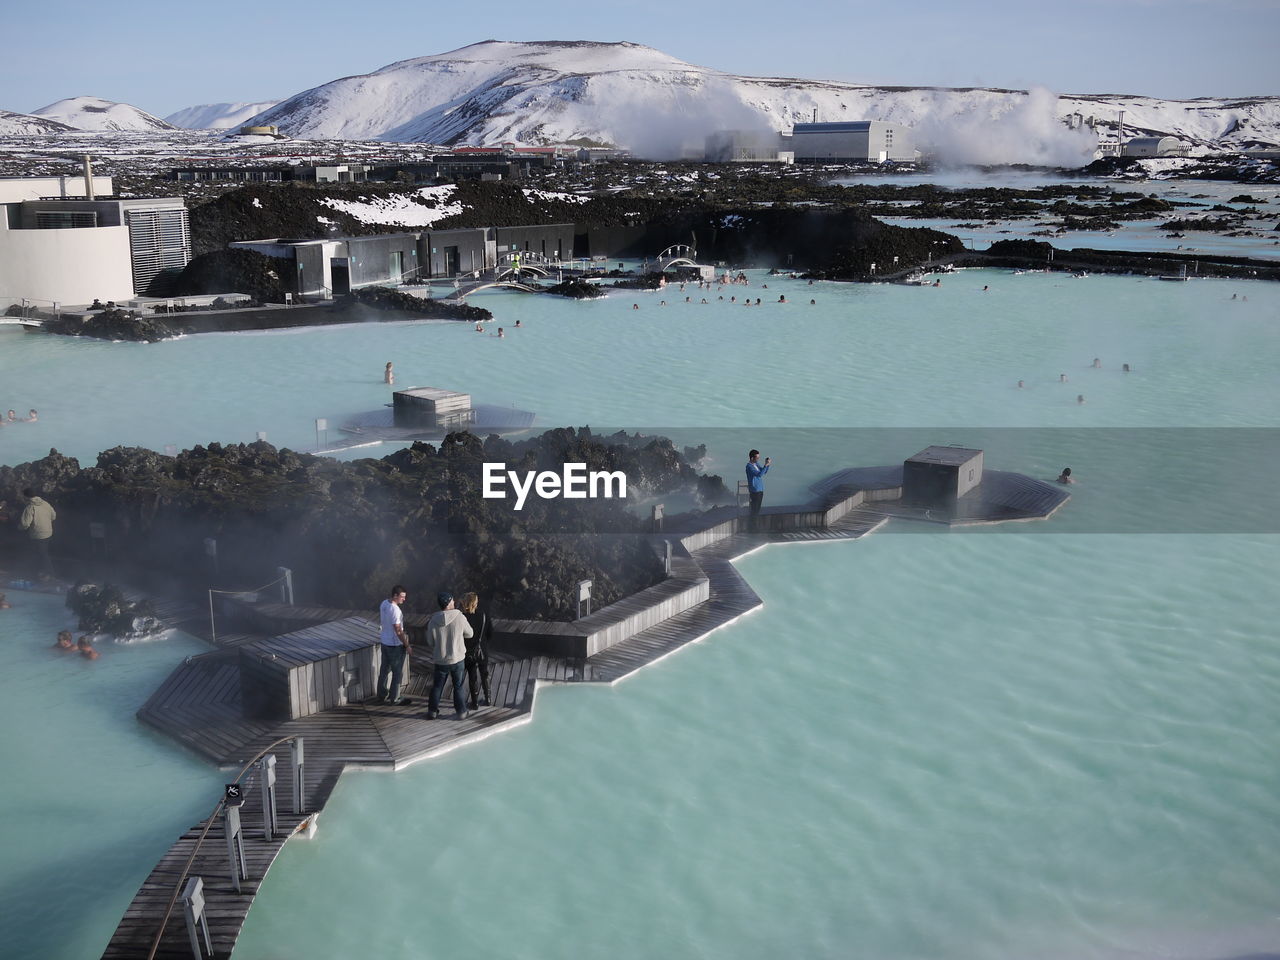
448, 632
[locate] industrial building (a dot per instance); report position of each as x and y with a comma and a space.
333, 267
857, 141
745, 146
1154, 147
66, 240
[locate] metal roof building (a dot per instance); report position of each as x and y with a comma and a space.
861, 140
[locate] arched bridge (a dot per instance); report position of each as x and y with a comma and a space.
677, 255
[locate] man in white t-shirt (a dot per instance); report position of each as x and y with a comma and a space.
395, 647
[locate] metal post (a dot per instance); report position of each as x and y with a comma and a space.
193, 907
299, 786
658, 511
584, 596
267, 773
235, 845
286, 585
666, 559
262, 435
322, 431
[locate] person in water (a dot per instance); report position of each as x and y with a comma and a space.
4, 603
1065, 476
501, 335
388, 375
13, 416
85, 646
32, 417
64, 641
1079, 398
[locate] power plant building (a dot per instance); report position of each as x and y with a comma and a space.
66, 240
745, 146
1154, 147
856, 141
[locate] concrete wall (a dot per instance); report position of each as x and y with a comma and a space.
370, 258
471, 246
554, 240
71, 266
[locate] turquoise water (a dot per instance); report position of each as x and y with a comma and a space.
948, 744
92, 799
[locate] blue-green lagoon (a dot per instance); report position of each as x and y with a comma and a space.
1055, 741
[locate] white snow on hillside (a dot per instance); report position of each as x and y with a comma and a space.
217, 116
94, 113
24, 124
553, 195
634, 96
421, 208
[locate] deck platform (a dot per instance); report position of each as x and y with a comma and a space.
200, 703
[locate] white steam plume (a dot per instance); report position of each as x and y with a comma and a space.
1005, 130
662, 128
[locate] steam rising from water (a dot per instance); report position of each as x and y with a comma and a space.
666, 129
1004, 131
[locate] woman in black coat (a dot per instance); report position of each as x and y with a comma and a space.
477, 652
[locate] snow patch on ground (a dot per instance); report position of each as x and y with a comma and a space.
551, 195
1157, 166
419, 209
257, 203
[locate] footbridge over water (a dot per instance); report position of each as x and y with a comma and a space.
679, 255
25, 322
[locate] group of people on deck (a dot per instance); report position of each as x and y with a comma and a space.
458, 638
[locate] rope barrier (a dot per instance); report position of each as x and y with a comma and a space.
177, 890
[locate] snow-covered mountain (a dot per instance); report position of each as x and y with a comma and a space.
24, 124
634, 96
217, 116
94, 113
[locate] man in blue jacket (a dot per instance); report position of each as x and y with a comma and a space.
755, 482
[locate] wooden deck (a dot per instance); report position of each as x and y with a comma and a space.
200, 706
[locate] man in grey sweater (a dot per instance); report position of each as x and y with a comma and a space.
448, 631
37, 520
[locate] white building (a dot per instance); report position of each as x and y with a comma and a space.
860, 140
1155, 147
65, 240
745, 146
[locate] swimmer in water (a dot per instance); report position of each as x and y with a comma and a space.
4, 603
635, 306
13, 416
1065, 476
479, 328
64, 641
937, 283
783, 298
985, 288
85, 646
1097, 363
501, 335
517, 324
1021, 384
1079, 398
1125, 368
1062, 378
388, 375
813, 303
32, 417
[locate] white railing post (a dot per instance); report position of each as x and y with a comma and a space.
193, 907
235, 841
267, 784
296, 757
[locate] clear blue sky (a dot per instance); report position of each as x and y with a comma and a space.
162, 57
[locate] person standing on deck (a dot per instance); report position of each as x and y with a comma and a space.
477, 659
37, 520
395, 647
755, 482
448, 631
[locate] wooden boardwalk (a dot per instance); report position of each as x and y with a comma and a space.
200, 706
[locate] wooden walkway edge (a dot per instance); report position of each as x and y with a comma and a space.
199, 705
